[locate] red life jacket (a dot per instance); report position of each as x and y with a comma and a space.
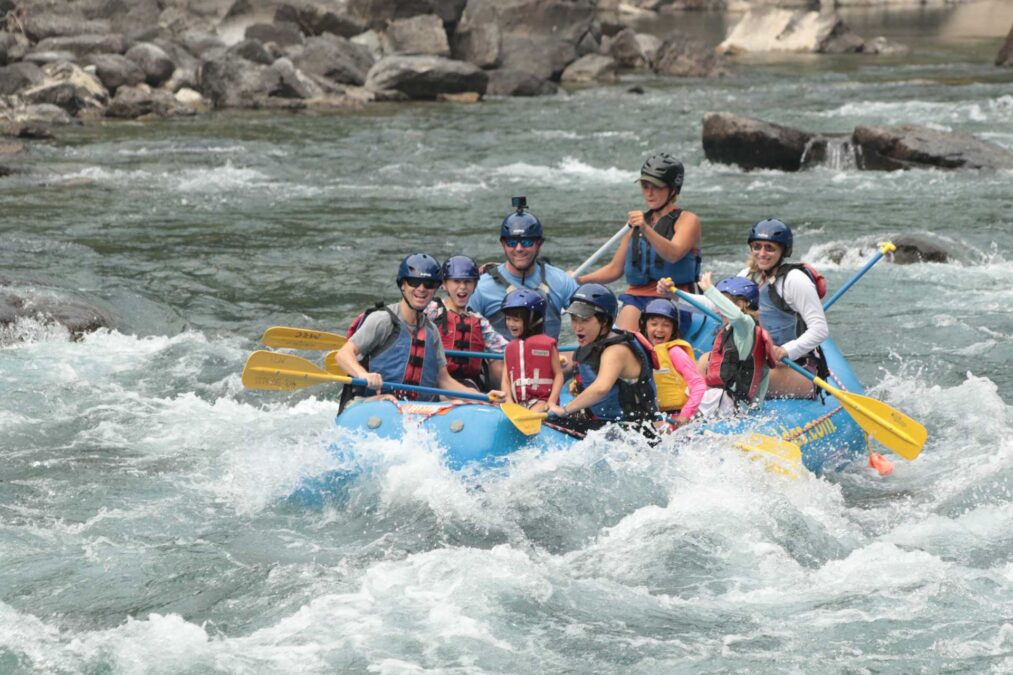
529, 366
740, 377
462, 332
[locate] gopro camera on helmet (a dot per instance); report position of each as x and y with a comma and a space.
519, 203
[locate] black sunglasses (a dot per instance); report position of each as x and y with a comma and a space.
415, 282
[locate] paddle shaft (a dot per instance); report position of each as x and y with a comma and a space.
601, 251
419, 389
884, 248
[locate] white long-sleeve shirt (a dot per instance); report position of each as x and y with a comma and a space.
799, 292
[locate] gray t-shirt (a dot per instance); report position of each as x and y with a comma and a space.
373, 332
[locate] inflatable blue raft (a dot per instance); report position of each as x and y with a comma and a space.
474, 432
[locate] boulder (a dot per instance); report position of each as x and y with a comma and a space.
13, 47
43, 58
41, 114
784, 30
542, 55
49, 307
334, 58
376, 14
371, 42
185, 74
1005, 55
116, 70
907, 146
422, 34
238, 83
649, 46
509, 82
132, 102
681, 56
137, 19
915, 249
425, 77
83, 45
39, 26
199, 42
193, 99
19, 76
625, 48
591, 68
251, 50
883, 47
478, 44
153, 60
281, 33
293, 83
752, 143
69, 87
314, 19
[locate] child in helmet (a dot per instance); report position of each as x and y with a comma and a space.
464, 330
680, 386
532, 375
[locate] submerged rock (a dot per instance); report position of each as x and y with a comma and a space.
909, 146
752, 143
915, 249
49, 307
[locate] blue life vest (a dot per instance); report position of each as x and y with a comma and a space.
407, 357
627, 401
644, 265
553, 314
780, 324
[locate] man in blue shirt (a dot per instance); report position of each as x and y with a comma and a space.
521, 239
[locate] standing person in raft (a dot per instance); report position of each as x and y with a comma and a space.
397, 343
464, 330
521, 238
615, 368
680, 386
790, 308
532, 375
663, 242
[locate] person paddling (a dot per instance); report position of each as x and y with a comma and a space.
521, 237
464, 330
663, 242
532, 375
397, 343
615, 369
790, 308
679, 385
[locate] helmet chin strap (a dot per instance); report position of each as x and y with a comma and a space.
418, 312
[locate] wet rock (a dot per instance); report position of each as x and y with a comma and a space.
153, 60
425, 77
510, 82
625, 49
281, 33
422, 34
1005, 55
193, 99
41, 114
251, 50
334, 58
907, 146
784, 30
315, 19
591, 68
681, 56
30, 131
7, 149
478, 44
883, 47
84, 45
132, 102
19, 76
914, 249
752, 143
116, 70
49, 307
69, 87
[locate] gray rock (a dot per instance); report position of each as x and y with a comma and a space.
43, 58
681, 56
137, 19
236, 83
914, 249
315, 19
199, 42
39, 26
508, 82
78, 316
836, 37
132, 102
334, 58
116, 70
589, 44
251, 50
883, 47
423, 34
42, 113
153, 60
1005, 55
185, 75
752, 143
293, 83
625, 49
478, 44
542, 55
377, 13
283, 34
19, 76
649, 46
425, 77
891, 148
591, 68
69, 87
13, 47
84, 45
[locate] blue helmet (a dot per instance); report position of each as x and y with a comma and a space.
772, 229
660, 307
521, 224
419, 266
526, 298
460, 267
591, 299
741, 287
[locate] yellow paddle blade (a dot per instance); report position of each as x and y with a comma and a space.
331, 364
281, 372
301, 338
779, 455
527, 422
886, 424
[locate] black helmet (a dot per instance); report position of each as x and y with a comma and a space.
663, 170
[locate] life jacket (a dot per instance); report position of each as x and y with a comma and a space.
461, 332
406, 356
627, 400
784, 323
740, 376
644, 265
553, 314
670, 384
529, 366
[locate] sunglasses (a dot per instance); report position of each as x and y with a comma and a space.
527, 242
430, 284
764, 246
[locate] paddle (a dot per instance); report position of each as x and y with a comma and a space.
884, 248
597, 254
889, 426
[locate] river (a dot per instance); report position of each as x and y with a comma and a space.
144, 525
